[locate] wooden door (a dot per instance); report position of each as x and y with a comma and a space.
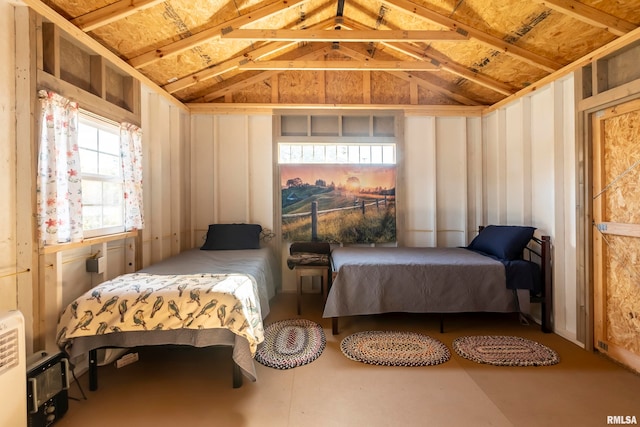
616, 234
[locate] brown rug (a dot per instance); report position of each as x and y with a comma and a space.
394, 349
505, 351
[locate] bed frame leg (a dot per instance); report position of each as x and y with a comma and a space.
334, 325
93, 370
237, 376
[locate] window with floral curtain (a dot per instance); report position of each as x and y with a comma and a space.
59, 188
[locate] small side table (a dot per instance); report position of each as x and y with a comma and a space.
310, 259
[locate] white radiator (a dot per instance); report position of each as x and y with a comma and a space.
13, 370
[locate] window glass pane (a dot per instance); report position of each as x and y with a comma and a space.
354, 154
109, 142
109, 165
112, 216
87, 136
88, 161
112, 193
332, 154
318, 153
296, 154
376, 154
307, 153
343, 153
91, 217
285, 153
91, 192
388, 154
365, 154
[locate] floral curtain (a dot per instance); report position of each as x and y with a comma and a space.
131, 154
59, 188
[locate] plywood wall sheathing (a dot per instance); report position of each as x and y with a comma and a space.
622, 205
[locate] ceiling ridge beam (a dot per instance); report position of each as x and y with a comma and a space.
228, 88
496, 43
204, 36
352, 65
589, 15
233, 63
111, 13
344, 36
413, 78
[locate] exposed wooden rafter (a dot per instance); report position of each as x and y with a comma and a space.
225, 88
443, 62
352, 53
154, 55
589, 15
111, 13
482, 37
344, 36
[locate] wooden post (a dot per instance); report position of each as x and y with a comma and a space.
314, 221
362, 204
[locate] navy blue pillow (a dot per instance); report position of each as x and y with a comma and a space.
505, 242
232, 237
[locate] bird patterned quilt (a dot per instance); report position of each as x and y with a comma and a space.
142, 302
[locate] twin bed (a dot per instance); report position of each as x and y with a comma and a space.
219, 295
483, 277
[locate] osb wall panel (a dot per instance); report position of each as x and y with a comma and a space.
387, 89
337, 81
622, 204
75, 65
299, 87
428, 97
115, 87
259, 93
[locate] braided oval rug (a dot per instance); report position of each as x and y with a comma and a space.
502, 350
291, 343
391, 348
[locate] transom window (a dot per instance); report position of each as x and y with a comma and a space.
102, 181
300, 153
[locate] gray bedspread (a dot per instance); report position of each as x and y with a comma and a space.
416, 280
259, 263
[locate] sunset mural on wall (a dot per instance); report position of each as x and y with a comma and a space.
338, 203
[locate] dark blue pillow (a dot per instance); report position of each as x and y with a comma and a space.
232, 237
505, 242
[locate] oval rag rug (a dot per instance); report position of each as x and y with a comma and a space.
391, 348
502, 350
291, 343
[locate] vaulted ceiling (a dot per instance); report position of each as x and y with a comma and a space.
389, 52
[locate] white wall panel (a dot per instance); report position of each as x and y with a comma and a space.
261, 207
202, 130
231, 168
419, 160
451, 181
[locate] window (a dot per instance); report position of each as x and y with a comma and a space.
102, 181
381, 154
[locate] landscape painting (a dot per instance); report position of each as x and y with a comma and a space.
338, 203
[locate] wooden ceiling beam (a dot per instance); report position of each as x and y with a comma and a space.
344, 36
359, 65
233, 63
225, 88
500, 45
448, 65
352, 53
111, 13
443, 62
211, 33
589, 15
